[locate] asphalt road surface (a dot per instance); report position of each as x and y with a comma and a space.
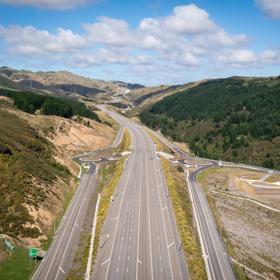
218, 265
139, 239
56, 263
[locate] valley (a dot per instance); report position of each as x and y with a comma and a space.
39, 180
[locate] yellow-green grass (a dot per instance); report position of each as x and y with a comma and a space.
182, 209
161, 147
125, 144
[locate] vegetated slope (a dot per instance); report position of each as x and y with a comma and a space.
234, 119
28, 172
31, 102
36, 175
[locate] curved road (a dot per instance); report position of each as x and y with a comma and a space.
139, 239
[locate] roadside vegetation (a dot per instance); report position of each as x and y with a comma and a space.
48, 105
182, 207
234, 119
160, 146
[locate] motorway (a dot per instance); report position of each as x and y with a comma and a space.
217, 262
139, 239
56, 263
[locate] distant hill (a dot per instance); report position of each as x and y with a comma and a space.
234, 119
62, 83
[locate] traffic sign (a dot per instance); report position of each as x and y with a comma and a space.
32, 252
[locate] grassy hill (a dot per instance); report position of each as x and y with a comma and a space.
234, 119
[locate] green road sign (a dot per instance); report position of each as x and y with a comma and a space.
32, 252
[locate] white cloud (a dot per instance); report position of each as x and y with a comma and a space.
187, 39
48, 4
245, 57
270, 57
189, 19
271, 8
239, 56
110, 31
221, 39
105, 56
30, 41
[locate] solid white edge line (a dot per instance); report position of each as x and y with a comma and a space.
89, 262
198, 229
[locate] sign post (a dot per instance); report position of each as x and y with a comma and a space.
32, 252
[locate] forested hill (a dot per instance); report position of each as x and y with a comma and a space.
233, 119
48, 105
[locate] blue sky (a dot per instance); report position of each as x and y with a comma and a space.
156, 42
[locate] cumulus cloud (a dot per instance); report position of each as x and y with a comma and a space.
246, 57
239, 56
48, 4
105, 56
30, 41
187, 39
271, 8
189, 19
110, 31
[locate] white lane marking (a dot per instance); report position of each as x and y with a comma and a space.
105, 262
150, 234
72, 230
89, 262
163, 221
139, 218
200, 232
121, 207
172, 243
116, 218
212, 231
61, 270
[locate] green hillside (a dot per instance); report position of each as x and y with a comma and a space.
234, 119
